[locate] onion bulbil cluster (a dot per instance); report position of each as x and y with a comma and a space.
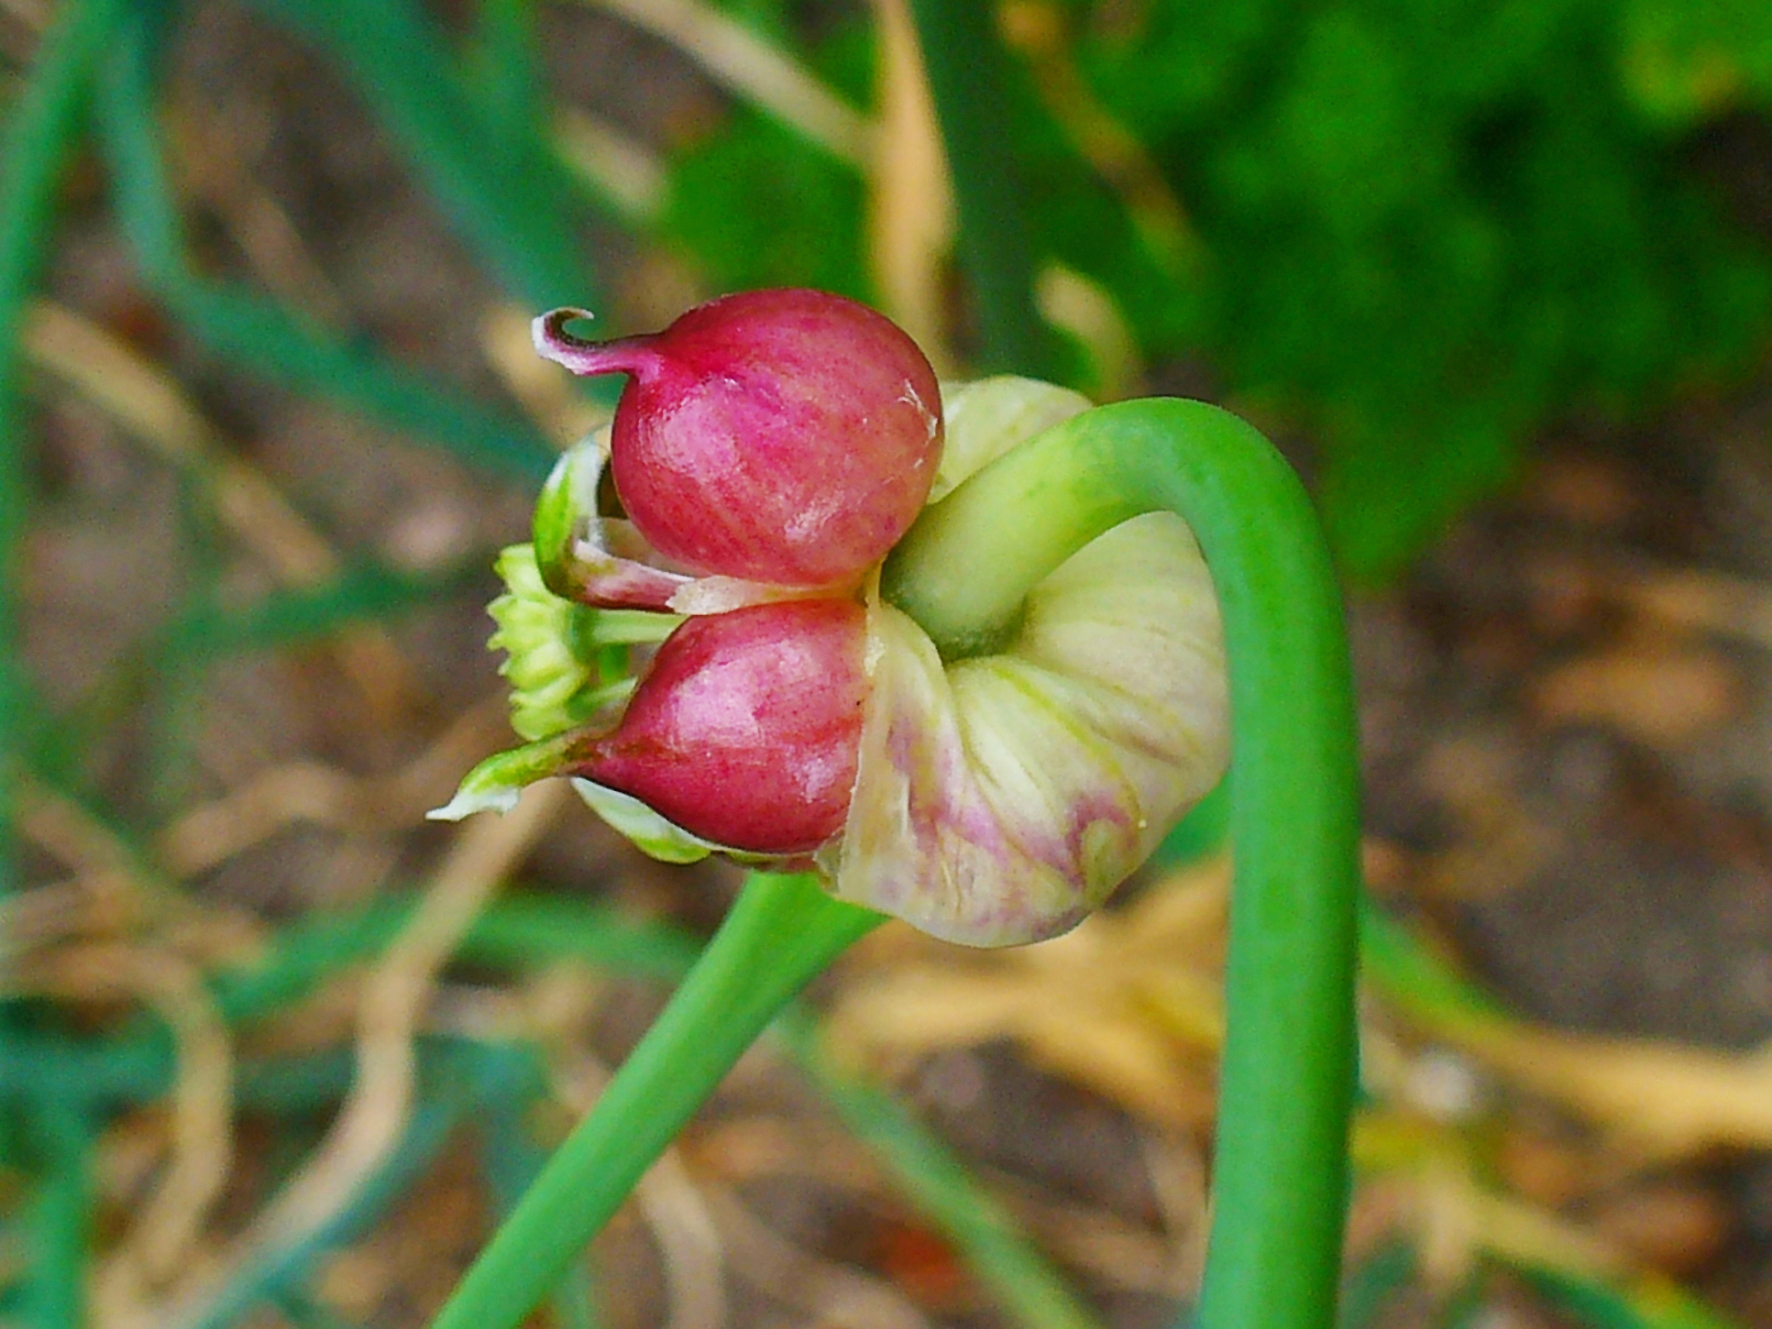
769, 451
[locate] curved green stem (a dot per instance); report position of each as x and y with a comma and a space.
1286, 1087
781, 933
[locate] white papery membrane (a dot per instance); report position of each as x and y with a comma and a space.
1001, 799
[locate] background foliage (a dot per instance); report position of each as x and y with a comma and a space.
1421, 228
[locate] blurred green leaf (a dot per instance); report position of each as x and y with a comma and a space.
488, 166
464, 1083
1684, 61
1654, 1304
757, 207
1431, 228
295, 616
41, 132
1372, 1283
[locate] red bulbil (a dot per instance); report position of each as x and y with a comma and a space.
746, 729
783, 436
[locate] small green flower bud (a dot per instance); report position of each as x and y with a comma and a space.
555, 649
539, 633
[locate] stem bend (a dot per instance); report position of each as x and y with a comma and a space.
1287, 1081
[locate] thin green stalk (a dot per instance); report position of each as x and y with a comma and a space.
514, 930
1419, 981
303, 1312
966, 65
265, 338
780, 934
1287, 1083
505, 67
179, 690
1661, 1306
1372, 1285
294, 616
61, 1217
45, 124
58, 739
461, 1080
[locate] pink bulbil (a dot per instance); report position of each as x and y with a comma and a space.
746, 729
786, 436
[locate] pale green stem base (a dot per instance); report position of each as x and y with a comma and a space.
782, 932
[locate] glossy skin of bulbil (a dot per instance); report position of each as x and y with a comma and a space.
787, 437
745, 730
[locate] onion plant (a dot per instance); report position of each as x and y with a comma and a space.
967, 673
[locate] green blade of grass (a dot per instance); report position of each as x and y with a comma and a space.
56, 739
525, 931
966, 64
505, 68
516, 931
522, 932
57, 1068
512, 1160
258, 333
427, 1131
781, 932
495, 177
44, 126
265, 338
179, 690
1417, 979
1029, 1290
1608, 1306
1021, 1282
61, 1217
137, 1066
469, 1078
1373, 1282
1407, 973
304, 1312
364, 592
